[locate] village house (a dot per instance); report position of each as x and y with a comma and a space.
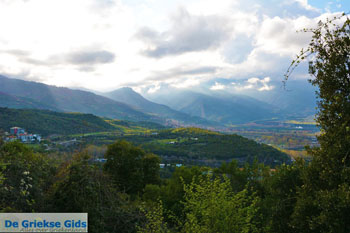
17, 133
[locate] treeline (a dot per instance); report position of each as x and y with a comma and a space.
126, 194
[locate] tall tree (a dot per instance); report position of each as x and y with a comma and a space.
324, 199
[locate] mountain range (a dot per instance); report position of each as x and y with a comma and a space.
174, 107
68, 100
134, 99
15, 93
224, 108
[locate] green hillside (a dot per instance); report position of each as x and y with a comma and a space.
175, 144
47, 122
199, 144
10, 101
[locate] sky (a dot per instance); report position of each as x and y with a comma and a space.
106, 44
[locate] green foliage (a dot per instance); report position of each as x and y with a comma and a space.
155, 222
152, 193
130, 167
194, 143
48, 122
26, 177
238, 177
212, 206
7, 100
280, 197
173, 193
209, 205
331, 69
191, 131
82, 187
323, 201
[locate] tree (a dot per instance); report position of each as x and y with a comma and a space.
1, 137
209, 205
280, 196
173, 193
130, 167
212, 206
26, 177
323, 204
82, 187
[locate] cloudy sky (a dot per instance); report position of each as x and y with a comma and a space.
105, 44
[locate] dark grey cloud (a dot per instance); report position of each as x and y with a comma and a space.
188, 33
84, 59
89, 57
33, 61
148, 35
17, 52
25, 57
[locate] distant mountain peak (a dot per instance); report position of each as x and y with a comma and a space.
127, 89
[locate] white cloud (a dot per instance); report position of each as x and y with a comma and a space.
185, 83
154, 89
253, 80
92, 43
189, 33
306, 5
279, 36
254, 83
217, 86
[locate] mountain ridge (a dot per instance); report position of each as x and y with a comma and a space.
134, 99
18, 93
226, 110
68, 100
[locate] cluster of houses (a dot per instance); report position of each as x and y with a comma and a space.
163, 165
17, 133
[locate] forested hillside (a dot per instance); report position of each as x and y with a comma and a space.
10, 101
46, 122
194, 143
